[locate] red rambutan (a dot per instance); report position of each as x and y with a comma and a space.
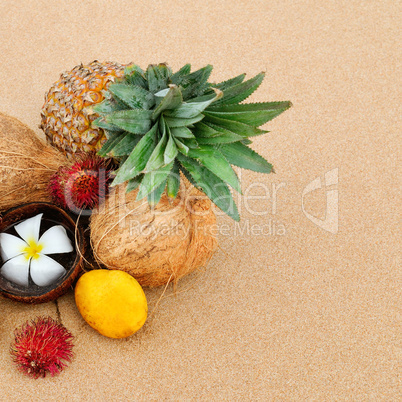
82, 185
42, 346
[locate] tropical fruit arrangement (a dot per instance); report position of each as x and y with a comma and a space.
138, 159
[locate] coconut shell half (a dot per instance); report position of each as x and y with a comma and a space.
41, 294
155, 245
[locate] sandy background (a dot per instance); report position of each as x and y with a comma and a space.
298, 314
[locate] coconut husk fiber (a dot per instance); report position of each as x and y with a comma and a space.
26, 164
155, 245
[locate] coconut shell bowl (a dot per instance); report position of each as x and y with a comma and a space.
41, 252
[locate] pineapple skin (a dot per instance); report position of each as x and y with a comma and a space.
65, 121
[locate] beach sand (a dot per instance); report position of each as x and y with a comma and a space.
302, 302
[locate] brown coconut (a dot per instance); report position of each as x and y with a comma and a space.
26, 164
155, 245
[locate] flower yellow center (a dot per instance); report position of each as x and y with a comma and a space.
32, 250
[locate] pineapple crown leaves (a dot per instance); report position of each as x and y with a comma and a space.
159, 124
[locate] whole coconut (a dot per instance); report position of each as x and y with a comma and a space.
155, 245
26, 164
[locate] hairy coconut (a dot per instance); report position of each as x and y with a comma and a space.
26, 164
155, 245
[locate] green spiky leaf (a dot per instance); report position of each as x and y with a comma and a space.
224, 85
157, 159
153, 179
131, 69
135, 77
108, 146
209, 131
133, 96
177, 78
213, 160
182, 132
253, 114
171, 99
190, 142
188, 176
125, 145
215, 188
192, 109
240, 92
159, 124
138, 158
155, 196
134, 183
171, 148
135, 121
173, 181
179, 122
226, 138
105, 107
100, 122
183, 148
236, 127
241, 155
158, 77
195, 84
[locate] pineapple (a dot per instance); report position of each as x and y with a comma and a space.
64, 118
161, 124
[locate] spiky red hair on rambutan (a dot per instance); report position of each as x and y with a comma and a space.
42, 346
81, 185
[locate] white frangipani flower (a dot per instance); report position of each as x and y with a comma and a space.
27, 255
